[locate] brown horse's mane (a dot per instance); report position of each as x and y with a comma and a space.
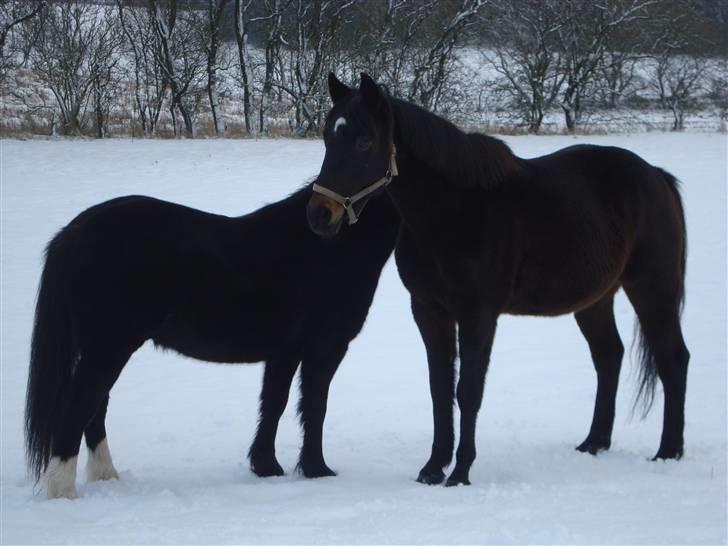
468, 160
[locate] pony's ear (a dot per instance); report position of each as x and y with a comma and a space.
372, 94
337, 90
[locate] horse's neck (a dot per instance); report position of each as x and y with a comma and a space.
467, 160
427, 205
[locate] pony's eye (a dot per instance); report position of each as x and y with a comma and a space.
363, 143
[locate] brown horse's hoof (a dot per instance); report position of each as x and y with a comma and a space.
453, 481
431, 477
593, 446
665, 454
316, 471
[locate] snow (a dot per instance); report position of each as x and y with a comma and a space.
179, 429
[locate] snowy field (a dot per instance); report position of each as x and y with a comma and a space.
179, 429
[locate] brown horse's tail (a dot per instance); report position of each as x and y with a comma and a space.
648, 367
674, 186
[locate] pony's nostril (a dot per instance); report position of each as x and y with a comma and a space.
323, 216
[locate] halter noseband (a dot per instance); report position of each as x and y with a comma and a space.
348, 202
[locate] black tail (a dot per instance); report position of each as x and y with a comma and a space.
648, 367
53, 355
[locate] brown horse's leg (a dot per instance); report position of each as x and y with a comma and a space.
438, 333
476, 340
658, 310
597, 325
317, 371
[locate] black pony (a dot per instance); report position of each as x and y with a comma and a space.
214, 288
485, 232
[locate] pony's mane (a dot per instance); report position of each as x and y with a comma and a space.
470, 160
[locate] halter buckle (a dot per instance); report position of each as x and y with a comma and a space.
348, 202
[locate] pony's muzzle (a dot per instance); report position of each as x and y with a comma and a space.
324, 215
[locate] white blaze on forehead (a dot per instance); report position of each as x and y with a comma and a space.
339, 123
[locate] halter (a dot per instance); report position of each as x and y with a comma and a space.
348, 202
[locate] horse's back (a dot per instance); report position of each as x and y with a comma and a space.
644, 198
125, 259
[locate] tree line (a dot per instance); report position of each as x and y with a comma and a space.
261, 65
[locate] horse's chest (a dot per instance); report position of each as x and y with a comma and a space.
451, 274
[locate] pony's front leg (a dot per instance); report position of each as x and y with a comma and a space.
476, 340
316, 374
437, 329
277, 380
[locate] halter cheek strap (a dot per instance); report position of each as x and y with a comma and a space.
348, 202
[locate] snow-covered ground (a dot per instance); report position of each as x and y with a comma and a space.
179, 429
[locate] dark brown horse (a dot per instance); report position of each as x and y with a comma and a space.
485, 232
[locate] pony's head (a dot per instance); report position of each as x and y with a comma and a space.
360, 154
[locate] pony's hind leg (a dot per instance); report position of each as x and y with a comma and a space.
92, 380
598, 327
99, 465
273, 399
663, 353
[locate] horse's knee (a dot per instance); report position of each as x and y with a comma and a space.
470, 393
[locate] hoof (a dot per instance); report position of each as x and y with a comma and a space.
593, 447
96, 475
316, 471
62, 492
267, 470
665, 454
454, 480
61, 479
99, 466
431, 478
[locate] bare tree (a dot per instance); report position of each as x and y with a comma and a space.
215, 11
431, 68
526, 54
180, 58
103, 67
410, 44
719, 88
241, 38
618, 77
315, 27
677, 78
150, 85
584, 39
74, 43
272, 42
13, 14
679, 66
390, 36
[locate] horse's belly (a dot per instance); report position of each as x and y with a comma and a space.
563, 291
249, 337
554, 307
